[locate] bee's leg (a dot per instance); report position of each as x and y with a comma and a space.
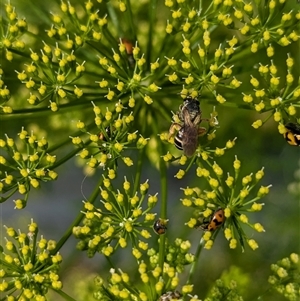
175, 127
201, 131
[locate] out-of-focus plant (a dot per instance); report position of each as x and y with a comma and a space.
107, 76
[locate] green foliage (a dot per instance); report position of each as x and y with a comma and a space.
99, 82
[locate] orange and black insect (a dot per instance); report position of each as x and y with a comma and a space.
160, 226
216, 220
292, 134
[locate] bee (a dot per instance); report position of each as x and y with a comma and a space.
160, 227
292, 135
168, 296
192, 105
186, 138
216, 220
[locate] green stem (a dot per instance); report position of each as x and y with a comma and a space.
78, 219
138, 172
163, 212
164, 203
21, 112
64, 295
65, 159
130, 19
194, 264
152, 15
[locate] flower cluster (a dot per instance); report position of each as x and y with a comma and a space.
155, 282
120, 219
51, 76
220, 291
285, 277
272, 94
4, 94
213, 69
224, 205
111, 139
127, 80
25, 164
74, 29
124, 66
29, 266
11, 32
212, 74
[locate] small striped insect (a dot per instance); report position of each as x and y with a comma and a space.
292, 134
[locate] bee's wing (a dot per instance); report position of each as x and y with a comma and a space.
190, 140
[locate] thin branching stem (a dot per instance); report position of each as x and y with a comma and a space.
78, 219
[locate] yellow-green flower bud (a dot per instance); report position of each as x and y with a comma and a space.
252, 244
187, 202
180, 174
228, 233
237, 164
144, 187
259, 228
232, 243
277, 116
208, 245
137, 254
256, 124
294, 258
192, 223
270, 51
227, 212
247, 98
122, 242
207, 235
244, 218
254, 47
